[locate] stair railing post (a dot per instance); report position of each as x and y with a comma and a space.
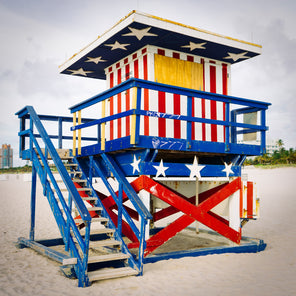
70, 203
119, 221
142, 245
33, 203
85, 254
44, 178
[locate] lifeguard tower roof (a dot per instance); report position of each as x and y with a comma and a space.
137, 30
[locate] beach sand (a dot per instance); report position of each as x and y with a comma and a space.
271, 272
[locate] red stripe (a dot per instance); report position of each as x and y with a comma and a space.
119, 105
161, 52
111, 106
250, 190
224, 89
161, 108
127, 101
190, 58
213, 103
203, 104
177, 111
177, 108
146, 95
136, 69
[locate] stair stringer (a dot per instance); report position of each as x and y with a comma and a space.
104, 213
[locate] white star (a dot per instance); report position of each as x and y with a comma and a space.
160, 169
228, 169
95, 60
237, 56
79, 72
193, 45
139, 33
135, 164
195, 168
117, 45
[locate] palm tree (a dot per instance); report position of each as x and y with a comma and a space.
280, 143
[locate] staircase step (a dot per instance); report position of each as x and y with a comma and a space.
79, 180
98, 219
111, 273
78, 189
76, 172
104, 243
92, 209
108, 257
89, 198
98, 231
70, 164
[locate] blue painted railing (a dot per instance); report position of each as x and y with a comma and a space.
232, 127
124, 186
40, 165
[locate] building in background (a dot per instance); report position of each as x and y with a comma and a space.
6, 156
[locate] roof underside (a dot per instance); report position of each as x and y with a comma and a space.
138, 30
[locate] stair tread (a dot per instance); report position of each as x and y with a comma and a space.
79, 180
109, 273
98, 231
104, 243
107, 257
97, 219
91, 209
89, 198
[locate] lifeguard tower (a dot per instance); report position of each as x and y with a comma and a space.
164, 142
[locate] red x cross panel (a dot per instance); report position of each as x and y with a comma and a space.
201, 212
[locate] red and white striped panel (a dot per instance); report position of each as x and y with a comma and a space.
132, 66
141, 65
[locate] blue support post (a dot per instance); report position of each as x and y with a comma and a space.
99, 133
142, 246
22, 138
263, 132
60, 134
84, 278
189, 123
33, 203
227, 127
233, 128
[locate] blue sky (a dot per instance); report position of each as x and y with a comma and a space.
38, 36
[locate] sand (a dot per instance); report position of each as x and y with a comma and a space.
271, 272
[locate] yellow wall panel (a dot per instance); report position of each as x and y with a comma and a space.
178, 72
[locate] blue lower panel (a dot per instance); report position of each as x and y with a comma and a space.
173, 145
248, 245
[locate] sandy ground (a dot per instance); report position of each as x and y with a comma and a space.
271, 272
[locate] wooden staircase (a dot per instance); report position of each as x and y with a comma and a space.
106, 259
